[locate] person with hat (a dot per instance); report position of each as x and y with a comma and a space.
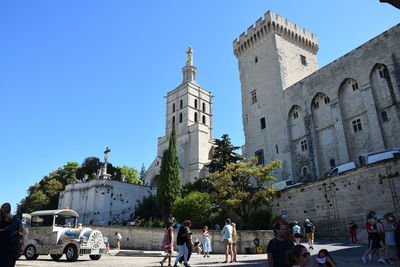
227, 232
184, 241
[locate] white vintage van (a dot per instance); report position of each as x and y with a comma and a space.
56, 232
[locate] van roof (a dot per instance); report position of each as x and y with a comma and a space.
67, 212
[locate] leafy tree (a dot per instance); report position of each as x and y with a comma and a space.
130, 175
147, 208
200, 185
168, 182
223, 154
36, 201
142, 173
197, 207
240, 187
89, 167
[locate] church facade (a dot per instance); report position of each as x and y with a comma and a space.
189, 108
312, 118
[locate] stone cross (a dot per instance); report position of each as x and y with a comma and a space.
189, 52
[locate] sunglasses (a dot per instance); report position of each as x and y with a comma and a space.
306, 254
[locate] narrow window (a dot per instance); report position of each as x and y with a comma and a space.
259, 154
173, 107
295, 115
195, 103
381, 74
253, 97
327, 100
332, 163
355, 86
303, 60
181, 104
304, 145
180, 117
262, 122
384, 116
173, 119
357, 125
204, 107
195, 117
277, 149
316, 105
305, 171
203, 119
256, 60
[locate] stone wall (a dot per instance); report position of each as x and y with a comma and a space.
331, 201
143, 238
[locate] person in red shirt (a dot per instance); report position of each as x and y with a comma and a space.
374, 240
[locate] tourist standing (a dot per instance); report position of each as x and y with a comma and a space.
10, 231
389, 227
234, 240
227, 236
168, 241
324, 259
297, 256
297, 233
184, 240
353, 230
118, 242
206, 242
309, 230
279, 246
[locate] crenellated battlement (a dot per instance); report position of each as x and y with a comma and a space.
274, 23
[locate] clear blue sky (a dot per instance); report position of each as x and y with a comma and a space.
77, 76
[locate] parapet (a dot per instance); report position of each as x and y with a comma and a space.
272, 22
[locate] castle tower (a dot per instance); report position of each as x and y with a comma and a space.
273, 55
189, 107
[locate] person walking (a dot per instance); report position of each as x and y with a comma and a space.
206, 242
10, 231
168, 241
227, 236
279, 246
297, 256
353, 230
374, 241
184, 240
119, 239
309, 230
234, 240
296, 233
389, 227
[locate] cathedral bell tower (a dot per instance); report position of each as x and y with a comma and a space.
189, 108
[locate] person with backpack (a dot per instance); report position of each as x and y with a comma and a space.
309, 230
279, 246
353, 230
184, 241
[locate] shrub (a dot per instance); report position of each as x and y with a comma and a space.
260, 220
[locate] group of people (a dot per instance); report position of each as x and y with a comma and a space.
383, 238
285, 249
10, 233
186, 245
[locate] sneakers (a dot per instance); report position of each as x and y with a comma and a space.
363, 260
382, 260
390, 262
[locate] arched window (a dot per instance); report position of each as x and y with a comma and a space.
203, 120
195, 103
173, 107
180, 117
305, 171
195, 117
173, 119
181, 104
204, 107
332, 163
384, 116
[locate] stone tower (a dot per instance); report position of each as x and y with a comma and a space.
273, 55
189, 107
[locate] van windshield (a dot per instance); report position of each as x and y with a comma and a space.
65, 221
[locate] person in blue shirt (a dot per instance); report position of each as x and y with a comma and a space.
227, 235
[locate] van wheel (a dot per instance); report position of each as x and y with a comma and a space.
71, 252
30, 253
56, 257
95, 257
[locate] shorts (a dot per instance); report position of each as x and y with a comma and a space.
227, 241
297, 235
310, 236
374, 244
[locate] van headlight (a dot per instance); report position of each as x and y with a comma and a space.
83, 239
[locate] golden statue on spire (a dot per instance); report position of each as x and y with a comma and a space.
189, 52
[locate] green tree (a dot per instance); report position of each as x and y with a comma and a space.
240, 187
89, 167
197, 207
130, 175
147, 208
223, 154
200, 185
168, 183
36, 201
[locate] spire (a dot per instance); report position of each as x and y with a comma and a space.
189, 71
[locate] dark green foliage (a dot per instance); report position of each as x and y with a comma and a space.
260, 220
168, 188
223, 154
200, 185
147, 209
142, 173
89, 167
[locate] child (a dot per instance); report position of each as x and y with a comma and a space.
206, 242
168, 241
324, 259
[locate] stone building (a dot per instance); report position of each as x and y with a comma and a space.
189, 107
313, 119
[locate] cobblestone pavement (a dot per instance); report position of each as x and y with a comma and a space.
345, 255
